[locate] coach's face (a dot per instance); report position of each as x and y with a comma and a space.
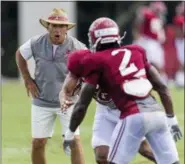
57, 33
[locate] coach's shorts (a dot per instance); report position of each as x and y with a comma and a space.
43, 121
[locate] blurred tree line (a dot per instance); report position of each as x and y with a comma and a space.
123, 12
9, 38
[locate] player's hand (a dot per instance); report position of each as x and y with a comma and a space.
176, 132
31, 87
68, 142
174, 128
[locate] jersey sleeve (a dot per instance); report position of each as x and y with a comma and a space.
93, 78
91, 65
26, 50
74, 63
143, 52
84, 64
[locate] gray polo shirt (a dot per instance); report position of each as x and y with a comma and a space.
50, 66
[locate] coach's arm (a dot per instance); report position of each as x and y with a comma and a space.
30, 84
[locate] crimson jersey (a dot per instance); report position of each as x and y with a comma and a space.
104, 98
178, 20
110, 69
75, 62
151, 25
100, 95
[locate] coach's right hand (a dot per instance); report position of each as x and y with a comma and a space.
66, 104
31, 87
65, 101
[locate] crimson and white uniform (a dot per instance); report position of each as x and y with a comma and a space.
151, 36
178, 22
121, 72
138, 117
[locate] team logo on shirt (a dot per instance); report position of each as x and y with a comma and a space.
67, 54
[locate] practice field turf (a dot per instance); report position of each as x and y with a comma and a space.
16, 127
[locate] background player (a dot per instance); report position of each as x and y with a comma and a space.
149, 33
178, 22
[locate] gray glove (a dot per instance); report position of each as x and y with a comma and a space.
174, 128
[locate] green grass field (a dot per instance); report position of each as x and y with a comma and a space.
16, 129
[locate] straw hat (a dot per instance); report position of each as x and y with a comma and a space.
57, 16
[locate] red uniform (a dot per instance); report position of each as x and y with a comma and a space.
179, 21
152, 25
110, 69
121, 72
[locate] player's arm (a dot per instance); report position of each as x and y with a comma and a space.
76, 67
71, 80
86, 94
166, 100
162, 90
79, 112
158, 84
81, 106
164, 94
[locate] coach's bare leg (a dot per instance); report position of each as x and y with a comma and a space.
146, 151
77, 155
101, 153
38, 150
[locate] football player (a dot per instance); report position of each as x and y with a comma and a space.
149, 33
178, 22
107, 115
122, 72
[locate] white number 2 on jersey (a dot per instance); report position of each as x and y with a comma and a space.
124, 70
